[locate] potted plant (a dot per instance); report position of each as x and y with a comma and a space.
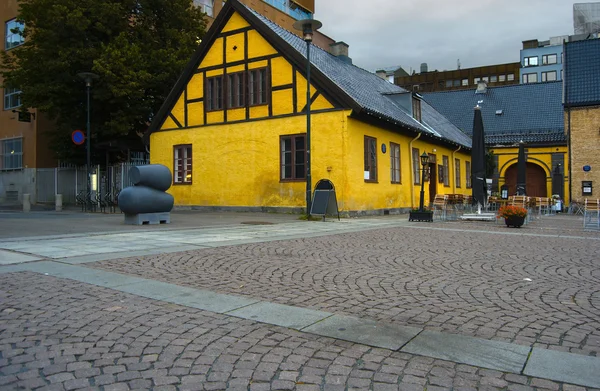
513, 215
417, 214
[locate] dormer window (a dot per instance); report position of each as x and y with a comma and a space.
416, 108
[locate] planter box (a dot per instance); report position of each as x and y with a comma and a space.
514, 221
421, 216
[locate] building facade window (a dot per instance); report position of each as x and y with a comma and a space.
549, 76
370, 159
416, 163
465, 82
549, 59
13, 33
444, 171
502, 78
493, 79
510, 77
258, 87
11, 154
395, 163
530, 61
416, 106
530, 78
214, 93
457, 173
206, 5
182, 164
235, 90
468, 174
293, 157
12, 98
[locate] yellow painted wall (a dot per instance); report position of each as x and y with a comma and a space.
384, 194
240, 165
541, 156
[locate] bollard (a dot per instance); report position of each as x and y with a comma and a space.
58, 202
26, 203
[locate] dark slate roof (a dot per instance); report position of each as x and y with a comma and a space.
368, 90
582, 73
530, 112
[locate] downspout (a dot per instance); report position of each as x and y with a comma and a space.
412, 170
454, 169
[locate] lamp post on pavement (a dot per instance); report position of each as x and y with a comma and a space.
88, 77
424, 162
308, 27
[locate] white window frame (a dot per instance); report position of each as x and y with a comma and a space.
11, 158
206, 5
530, 62
11, 40
12, 98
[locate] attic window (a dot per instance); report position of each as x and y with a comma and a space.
499, 112
416, 108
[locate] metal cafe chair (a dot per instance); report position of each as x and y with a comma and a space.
591, 214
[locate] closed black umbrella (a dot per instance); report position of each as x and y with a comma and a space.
521, 171
478, 183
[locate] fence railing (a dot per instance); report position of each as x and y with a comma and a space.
71, 181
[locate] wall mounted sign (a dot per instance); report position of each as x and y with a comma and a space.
587, 168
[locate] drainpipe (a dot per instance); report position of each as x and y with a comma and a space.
454, 166
412, 170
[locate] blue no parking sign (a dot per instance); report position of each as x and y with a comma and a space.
78, 137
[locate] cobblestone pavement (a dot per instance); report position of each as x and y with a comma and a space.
58, 334
503, 284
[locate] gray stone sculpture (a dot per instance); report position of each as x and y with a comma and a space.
146, 202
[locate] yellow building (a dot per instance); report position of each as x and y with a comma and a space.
528, 113
233, 129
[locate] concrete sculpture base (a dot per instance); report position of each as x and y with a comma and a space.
148, 218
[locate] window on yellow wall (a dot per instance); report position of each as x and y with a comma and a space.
182, 164
395, 163
457, 169
293, 157
258, 87
416, 166
370, 159
468, 173
214, 93
235, 90
446, 164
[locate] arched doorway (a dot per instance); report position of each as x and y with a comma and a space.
536, 180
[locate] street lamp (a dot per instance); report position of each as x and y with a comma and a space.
88, 77
424, 162
308, 27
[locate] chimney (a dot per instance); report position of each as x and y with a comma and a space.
382, 74
340, 50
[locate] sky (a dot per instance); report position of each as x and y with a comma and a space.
385, 33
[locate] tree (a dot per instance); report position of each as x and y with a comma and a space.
137, 47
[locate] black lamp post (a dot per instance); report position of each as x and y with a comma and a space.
308, 27
88, 77
424, 162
